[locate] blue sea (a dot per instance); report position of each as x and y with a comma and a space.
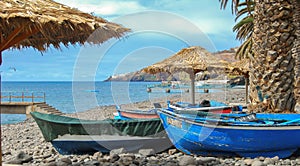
71, 97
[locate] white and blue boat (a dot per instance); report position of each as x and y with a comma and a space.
205, 106
245, 135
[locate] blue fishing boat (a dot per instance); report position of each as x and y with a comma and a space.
245, 135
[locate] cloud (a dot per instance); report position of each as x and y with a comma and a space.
182, 21
205, 14
105, 8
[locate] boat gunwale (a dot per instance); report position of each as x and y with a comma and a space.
150, 112
172, 106
86, 122
229, 126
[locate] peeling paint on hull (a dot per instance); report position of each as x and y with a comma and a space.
217, 140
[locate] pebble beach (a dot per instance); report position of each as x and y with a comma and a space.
23, 143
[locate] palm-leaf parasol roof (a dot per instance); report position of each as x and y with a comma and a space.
191, 60
41, 23
240, 67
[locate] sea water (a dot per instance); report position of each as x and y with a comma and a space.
71, 97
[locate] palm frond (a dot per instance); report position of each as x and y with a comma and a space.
245, 8
245, 50
234, 5
244, 28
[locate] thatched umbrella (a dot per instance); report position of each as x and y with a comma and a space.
240, 68
191, 60
41, 23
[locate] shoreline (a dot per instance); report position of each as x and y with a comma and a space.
26, 138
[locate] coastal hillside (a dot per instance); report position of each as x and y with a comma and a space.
138, 76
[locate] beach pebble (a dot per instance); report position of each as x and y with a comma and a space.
172, 151
203, 160
146, 152
126, 160
20, 158
53, 163
117, 151
97, 155
248, 161
64, 162
268, 161
171, 163
186, 160
239, 163
257, 163
276, 158
114, 157
286, 162
91, 163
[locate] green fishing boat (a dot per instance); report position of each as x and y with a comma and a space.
77, 136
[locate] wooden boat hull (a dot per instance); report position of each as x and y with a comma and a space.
74, 144
193, 137
216, 110
215, 107
55, 128
136, 114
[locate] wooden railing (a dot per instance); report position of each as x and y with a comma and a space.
23, 97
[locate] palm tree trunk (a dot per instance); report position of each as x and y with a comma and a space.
272, 75
296, 54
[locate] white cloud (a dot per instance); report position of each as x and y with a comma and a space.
205, 14
105, 8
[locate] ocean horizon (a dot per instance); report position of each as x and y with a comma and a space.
72, 97
63, 94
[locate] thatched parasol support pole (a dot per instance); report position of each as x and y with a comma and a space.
192, 76
0, 115
246, 86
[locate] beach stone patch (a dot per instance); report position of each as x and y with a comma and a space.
53, 163
64, 162
239, 163
146, 152
117, 151
248, 161
171, 163
286, 162
172, 151
275, 159
203, 160
268, 161
92, 163
97, 155
20, 158
186, 160
257, 163
127, 159
114, 157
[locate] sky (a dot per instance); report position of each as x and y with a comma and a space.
160, 28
